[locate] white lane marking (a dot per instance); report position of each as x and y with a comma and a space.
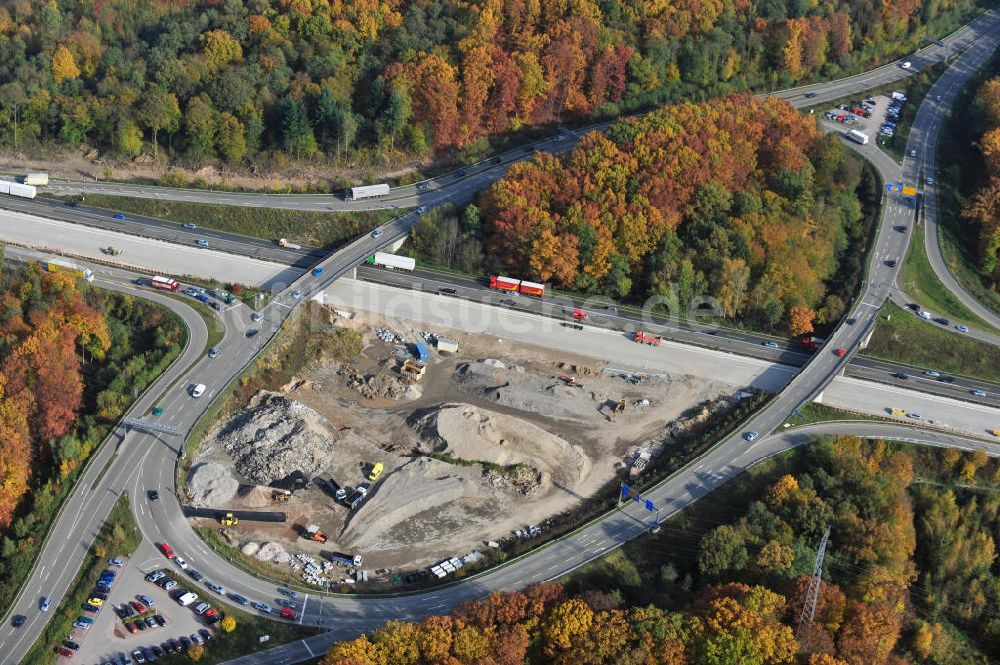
306, 645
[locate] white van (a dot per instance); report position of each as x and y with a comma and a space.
198, 390
187, 598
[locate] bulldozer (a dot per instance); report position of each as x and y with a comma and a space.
312, 532
229, 520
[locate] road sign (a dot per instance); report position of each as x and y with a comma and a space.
893, 188
909, 191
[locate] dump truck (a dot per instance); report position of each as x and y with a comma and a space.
312, 532
645, 338
283, 242
341, 559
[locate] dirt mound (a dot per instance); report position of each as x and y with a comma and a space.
470, 433
379, 385
276, 436
418, 486
211, 485
517, 389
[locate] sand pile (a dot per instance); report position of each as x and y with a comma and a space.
420, 485
475, 434
211, 485
276, 436
517, 389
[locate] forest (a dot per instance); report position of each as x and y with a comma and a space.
982, 209
910, 576
738, 199
71, 359
215, 80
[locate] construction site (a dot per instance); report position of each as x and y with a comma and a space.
432, 448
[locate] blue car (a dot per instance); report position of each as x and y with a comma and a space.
237, 598
316, 272
202, 297
119, 215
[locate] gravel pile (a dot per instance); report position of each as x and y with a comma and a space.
211, 485
517, 389
277, 436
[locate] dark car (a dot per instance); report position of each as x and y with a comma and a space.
157, 651
252, 332
913, 306
206, 634
460, 173
185, 642
214, 619
87, 607
70, 644
72, 204
891, 263
18, 620
422, 186
160, 621
495, 160
284, 602
901, 228
198, 577
448, 291
237, 598
139, 624
901, 376
946, 379
810, 95
943, 321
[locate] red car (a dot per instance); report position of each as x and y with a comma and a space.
167, 552
64, 652
288, 613
131, 627
138, 607
840, 352
211, 612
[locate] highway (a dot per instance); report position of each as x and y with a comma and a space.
144, 461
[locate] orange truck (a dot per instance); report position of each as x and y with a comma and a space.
517, 285
644, 338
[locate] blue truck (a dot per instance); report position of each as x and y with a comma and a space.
423, 355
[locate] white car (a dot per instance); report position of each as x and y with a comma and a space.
978, 393
915, 416
924, 314
933, 373
750, 436
256, 316
377, 233
930, 181
179, 560
906, 65
198, 390
296, 294
913, 153
961, 328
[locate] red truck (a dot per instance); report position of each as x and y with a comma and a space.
813, 343
519, 285
580, 315
643, 338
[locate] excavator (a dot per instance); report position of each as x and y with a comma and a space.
312, 532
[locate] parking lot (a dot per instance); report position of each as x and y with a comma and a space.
879, 114
109, 640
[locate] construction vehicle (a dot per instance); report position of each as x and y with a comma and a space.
341, 559
376, 471
643, 338
229, 520
619, 408
313, 533
111, 251
568, 380
897, 412
280, 496
995, 432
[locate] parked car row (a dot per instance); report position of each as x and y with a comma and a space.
888, 126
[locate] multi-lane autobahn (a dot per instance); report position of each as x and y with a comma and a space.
139, 461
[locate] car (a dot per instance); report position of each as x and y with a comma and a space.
145, 600
211, 613
915, 416
448, 291
930, 180
940, 319
213, 352
216, 587
421, 210
85, 620
157, 650
201, 242
978, 393
256, 316
130, 627
840, 353
961, 328
70, 644
201, 608
169, 584
851, 321
906, 65
810, 95
297, 294
43, 605
63, 651
18, 620
284, 602
202, 297
87, 607
185, 642
891, 263
181, 562
207, 634
96, 602
771, 345
947, 379
157, 410
460, 173
421, 186
81, 626
913, 153
198, 390
140, 624
198, 577
252, 333
175, 646
189, 225
197, 639
138, 656
189, 292
900, 228
126, 611
288, 592
101, 595
317, 271
212, 619
72, 204
377, 233
263, 607
237, 598
288, 613
925, 315
933, 373
750, 436
138, 607
117, 562
937, 98
495, 160
119, 215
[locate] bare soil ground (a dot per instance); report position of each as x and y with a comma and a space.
494, 438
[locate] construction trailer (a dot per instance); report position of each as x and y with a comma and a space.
447, 344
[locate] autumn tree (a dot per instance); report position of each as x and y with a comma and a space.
64, 64
801, 320
159, 111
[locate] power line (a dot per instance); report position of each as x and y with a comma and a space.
812, 594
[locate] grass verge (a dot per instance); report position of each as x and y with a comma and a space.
918, 280
118, 537
901, 337
815, 412
319, 229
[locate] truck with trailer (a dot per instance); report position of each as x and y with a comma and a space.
857, 137
341, 559
37, 179
366, 192
517, 286
59, 265
646, 338
17, 189
164, 283
392, 261
283, 242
